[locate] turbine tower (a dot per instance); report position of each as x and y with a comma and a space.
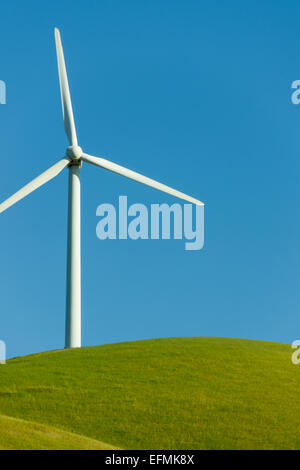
73, 160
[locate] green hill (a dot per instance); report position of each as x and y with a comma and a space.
181, 393
27, 435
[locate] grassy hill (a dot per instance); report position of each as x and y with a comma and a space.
181, 393
27, 435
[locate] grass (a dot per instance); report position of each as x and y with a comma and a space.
26, 435
181, 393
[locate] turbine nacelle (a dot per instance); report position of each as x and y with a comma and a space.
74, 152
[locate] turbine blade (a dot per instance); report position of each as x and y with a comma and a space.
35, 184
138, 177
65, 92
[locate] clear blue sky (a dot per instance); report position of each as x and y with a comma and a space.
196, 94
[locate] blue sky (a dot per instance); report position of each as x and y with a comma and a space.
196, 94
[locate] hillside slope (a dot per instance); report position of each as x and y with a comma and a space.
181, 393
25, 435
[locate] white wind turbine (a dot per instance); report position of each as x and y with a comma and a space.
73, 160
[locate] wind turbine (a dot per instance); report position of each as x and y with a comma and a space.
73, 160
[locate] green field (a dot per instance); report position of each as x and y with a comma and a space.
181, 393
20, 434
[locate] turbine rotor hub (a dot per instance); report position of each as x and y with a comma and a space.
74, 152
